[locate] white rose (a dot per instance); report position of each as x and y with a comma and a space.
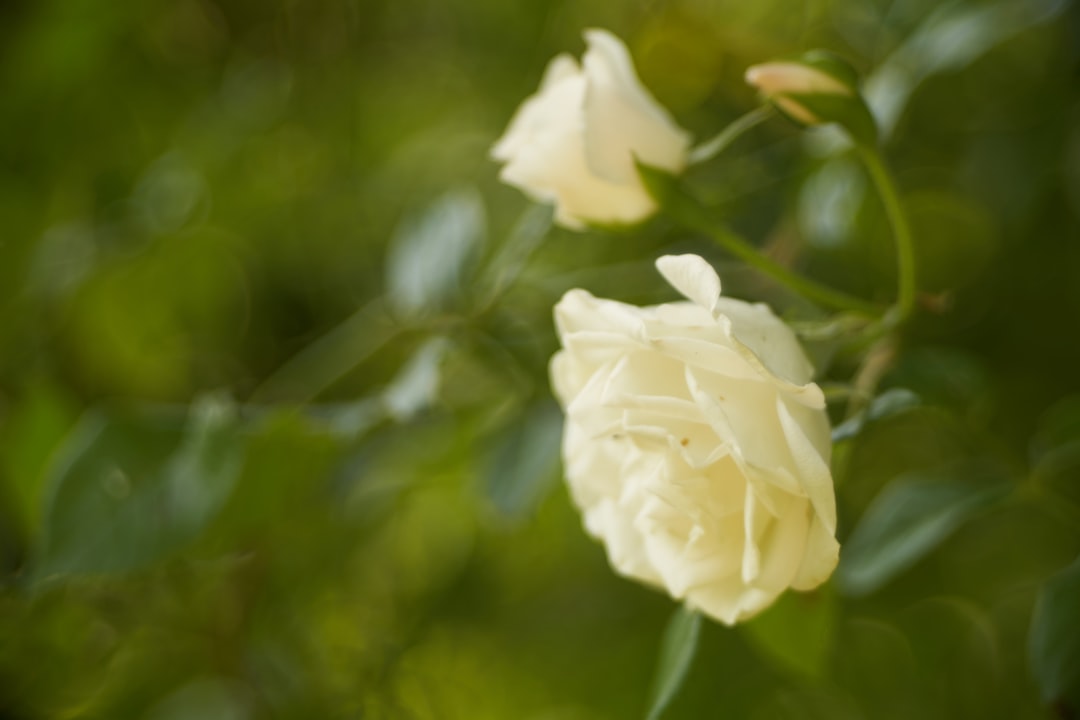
695, 444
573, 143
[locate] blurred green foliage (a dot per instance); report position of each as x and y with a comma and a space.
275, 433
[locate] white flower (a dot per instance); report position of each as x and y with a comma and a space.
695, 444
574, 142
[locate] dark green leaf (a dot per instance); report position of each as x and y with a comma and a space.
1058, 425
890, 402
127, 491
528, 233
676, 655
797, 632
910, 518
950, 38
1054, 641
1058, 432
848, 111
416, 385
428, 255
525, 460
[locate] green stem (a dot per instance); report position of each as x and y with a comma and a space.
821, 294
673, 196
905, 248
711, 148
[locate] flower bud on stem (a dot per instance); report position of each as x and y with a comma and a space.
819, 88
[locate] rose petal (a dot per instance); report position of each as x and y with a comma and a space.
622, 120
693, 277
812, 470
820, 557
538, 112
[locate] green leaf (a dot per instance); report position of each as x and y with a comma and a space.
910, 518
1054, 641
676, 655
890, 402
127, 491
525, 459
416, 385
513, 255
848, 111
1058, 427
29, 433
428, 255
950, 38
1055, 451
797, 632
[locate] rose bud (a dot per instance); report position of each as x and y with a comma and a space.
817, 88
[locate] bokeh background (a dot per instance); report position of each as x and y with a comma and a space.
275, 433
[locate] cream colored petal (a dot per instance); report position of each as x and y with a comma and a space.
692, 276
584, 198
782, 546
538, 110
597, 346
579, 310
719, 350
686, 316
769, 338
684, 552
812, 469
820, 557
565, 382
746, 410
623, 543
755, 518
622, 120
545, 157
793, 77
729, 601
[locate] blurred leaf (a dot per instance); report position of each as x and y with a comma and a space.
428, 254
125, 493
808, 702
796, 633
1058, 428
1054, 641
525, 460
528, 233
949, 39
877, 666
351, 420
676, 655
416, 385
207, 699
331, 357
829, 201
956, 650
890, 402
910, 518
31, 432
946, 376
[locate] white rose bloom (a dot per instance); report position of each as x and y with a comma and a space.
696, 445
573, 143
